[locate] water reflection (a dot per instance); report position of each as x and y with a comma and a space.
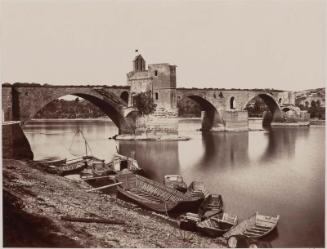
228, 149
153, 156
282, 142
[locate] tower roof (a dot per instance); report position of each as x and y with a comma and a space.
139, 63
139, 56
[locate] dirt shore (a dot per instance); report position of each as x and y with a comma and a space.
34, 203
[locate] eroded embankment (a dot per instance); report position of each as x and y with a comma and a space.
35, 201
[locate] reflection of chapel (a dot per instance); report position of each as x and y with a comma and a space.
158, 79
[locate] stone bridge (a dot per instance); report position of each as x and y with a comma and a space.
222, 108
226, 107
21, 102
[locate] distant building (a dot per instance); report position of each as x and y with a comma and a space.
311, 97
159, 80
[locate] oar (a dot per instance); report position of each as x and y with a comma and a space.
98, 177
106, 186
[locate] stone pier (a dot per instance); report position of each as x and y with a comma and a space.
14, 142
236, 120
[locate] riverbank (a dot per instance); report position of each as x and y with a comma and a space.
317, 122
104, 118
150, 137
35, 201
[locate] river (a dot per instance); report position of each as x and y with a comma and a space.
278, 171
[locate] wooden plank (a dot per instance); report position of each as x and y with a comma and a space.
259, 229
104, 187
99, 177
254, 231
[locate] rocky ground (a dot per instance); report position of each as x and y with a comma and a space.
35, 201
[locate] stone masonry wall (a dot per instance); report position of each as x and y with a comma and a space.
152, 125
7, 114
14, 142
236, 120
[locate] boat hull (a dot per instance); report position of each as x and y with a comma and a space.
160, 207
256, 226
153, 195
211, 231
72, 171
217, 225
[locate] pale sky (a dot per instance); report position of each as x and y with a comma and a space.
277, 44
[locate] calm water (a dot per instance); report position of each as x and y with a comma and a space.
280, 171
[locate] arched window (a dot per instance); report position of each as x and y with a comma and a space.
318, 103
232, 103
280, 101
155, 72
157, 96
221, 95
306, 103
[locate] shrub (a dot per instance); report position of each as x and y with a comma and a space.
144, 103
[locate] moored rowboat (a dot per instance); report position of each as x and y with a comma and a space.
176, 182
212, 205
197, 188
76, 165
50, 161
120, 162
217, 225
256, 226
154, 195
72, 167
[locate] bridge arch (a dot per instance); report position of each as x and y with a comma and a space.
30, 102
211, 116
272, 105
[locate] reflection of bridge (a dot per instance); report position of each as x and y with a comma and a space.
221, 107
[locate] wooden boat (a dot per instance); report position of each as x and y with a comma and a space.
120, 162
188, 221
211, 205
256, 226
86, 174
153, 195
217, 225
98, 167
76, 165
52, 169
241, 241
73, 166
51, 161
197, 188
101, 169
175, 182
